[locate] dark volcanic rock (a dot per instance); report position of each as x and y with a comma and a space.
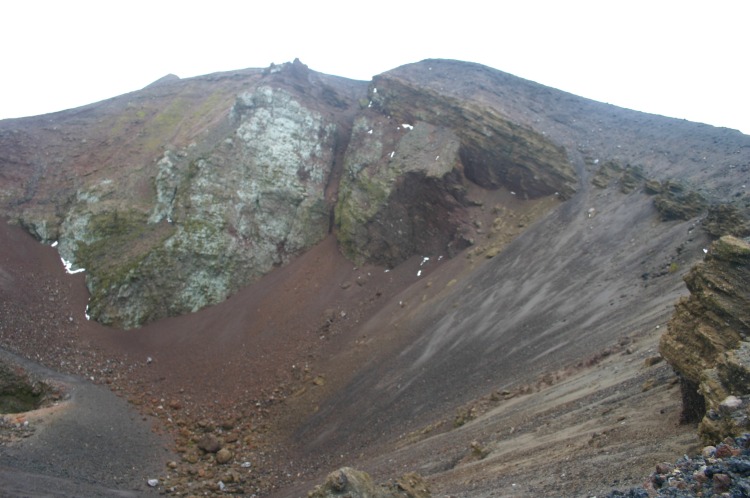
700, 475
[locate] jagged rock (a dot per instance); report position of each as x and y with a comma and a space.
348, 482
632, 177
224, 214
606, 173
676, 202
494, 151
706, 338
412, 152
629, 177
726, 219
393, 185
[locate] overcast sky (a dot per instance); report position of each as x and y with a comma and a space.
685, 59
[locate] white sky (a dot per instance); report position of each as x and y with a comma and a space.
686, 59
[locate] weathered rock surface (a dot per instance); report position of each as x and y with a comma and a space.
221, 184
412, 153
401, 193
219, 194
676, 202
352, 483
706, 342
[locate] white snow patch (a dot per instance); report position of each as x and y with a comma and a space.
596, 161
54, 244
86, 313
440, 258
419, 273
370, 104
369, 132
437, 157
425, 259
407, 126
387, 270
392, 154
69, 267
512, 193
705, 251
374, 90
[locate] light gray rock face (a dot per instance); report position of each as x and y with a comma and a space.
224, 213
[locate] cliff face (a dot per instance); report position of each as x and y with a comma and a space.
707, 340
174, 197
414, 151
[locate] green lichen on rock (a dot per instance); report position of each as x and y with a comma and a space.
726, 219
629, 177
677, 202
389, 180
223, 212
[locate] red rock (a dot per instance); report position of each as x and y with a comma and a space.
722, 483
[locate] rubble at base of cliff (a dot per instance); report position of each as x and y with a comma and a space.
721, 470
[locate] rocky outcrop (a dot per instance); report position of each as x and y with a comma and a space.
205, 184
674, 201
726, 219
401, 193
223, 215
494, 151
352, 483
412, 153
706, 342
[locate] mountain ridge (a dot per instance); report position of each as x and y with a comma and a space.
532, 257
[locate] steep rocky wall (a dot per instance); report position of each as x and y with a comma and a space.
412, 155
401, 191
175, 196
706, 342
230, 213
494, 150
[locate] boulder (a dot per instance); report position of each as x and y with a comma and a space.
352, 483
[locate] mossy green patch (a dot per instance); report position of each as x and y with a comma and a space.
120, 240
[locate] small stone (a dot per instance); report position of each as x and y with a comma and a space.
209, 444
663, 468
153, 482
319, 380
722, 482
723, 451
709, 452
223, 456
731, 403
